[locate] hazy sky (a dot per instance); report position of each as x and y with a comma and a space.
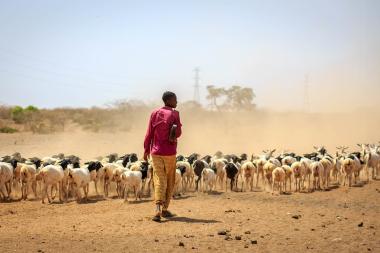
84, 53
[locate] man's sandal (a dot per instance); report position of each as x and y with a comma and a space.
156, 218
167, 214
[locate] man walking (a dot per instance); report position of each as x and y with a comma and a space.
161, 144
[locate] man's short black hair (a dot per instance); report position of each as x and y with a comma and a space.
168, 95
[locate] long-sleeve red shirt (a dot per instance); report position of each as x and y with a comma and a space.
157, 136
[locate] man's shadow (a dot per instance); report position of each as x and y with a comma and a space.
189, 220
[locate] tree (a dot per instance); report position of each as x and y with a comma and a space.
17, 114
214, 94
233, 98
240, 98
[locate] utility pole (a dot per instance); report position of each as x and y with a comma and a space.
196, 97
306, 94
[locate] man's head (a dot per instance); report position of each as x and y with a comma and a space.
170, 99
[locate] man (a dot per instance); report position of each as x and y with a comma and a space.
161, 145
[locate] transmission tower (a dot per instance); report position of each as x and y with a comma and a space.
306, 94
196, 97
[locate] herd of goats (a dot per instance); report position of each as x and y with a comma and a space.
68, 177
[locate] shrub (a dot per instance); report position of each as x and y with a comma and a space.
8, 130
17, 114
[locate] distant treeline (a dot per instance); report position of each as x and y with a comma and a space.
117, 116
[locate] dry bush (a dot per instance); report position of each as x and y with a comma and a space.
5, 112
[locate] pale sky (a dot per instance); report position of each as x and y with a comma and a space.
86, 53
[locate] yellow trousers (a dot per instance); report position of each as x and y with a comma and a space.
163, 178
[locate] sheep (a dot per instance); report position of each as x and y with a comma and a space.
298, 168
51, 175
275, 161
199, 166
143, 167
66, 189
288, 176
249, 170
107, 174
288, 160
16, 175
132, 180
268, 169
318, 172
371, 159
74, 160
117, 172
177, 182
218, 166
207, 159
232, 171
94, 168
357, 165
192, 158
260, 170
278, 178
59, 156
187, 173
209, 179
347, 170
306, 173
80, 178
328, 165
28, 178
337, 163
6, 177
180, 158
112, 157
49, 161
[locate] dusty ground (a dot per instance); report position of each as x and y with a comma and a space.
328, 222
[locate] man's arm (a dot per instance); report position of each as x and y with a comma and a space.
148, 137
179, 126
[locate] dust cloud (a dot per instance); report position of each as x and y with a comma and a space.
206, 132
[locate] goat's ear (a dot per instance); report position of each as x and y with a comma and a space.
274, 150
316, 148
359, 144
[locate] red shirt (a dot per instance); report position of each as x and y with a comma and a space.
157, 136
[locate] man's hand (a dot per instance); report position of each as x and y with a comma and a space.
146, 156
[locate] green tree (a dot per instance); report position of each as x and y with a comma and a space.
17, 114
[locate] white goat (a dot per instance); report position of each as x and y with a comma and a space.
51, 175
80, 178
6, 177
132, 180
209, 179
249, 170
278, 179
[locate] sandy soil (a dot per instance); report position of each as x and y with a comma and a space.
327, 221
